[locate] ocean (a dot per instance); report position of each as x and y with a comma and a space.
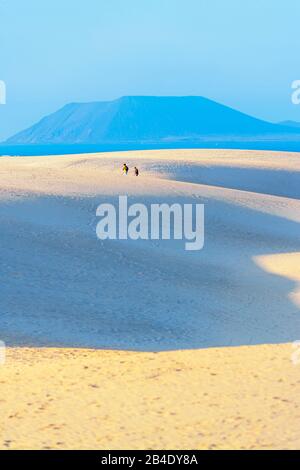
62, 149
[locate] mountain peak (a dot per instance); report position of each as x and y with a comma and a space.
290, 123
144, 119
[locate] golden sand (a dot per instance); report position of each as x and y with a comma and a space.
240, 398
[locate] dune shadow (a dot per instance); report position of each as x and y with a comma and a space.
266, 181
62, 287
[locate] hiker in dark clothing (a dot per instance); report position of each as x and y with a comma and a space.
136, 171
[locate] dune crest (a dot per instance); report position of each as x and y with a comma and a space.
75, 291
68, 299
286, 265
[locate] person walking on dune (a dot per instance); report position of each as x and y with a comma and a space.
125, 169
136, 171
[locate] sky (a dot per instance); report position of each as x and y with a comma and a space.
244, 54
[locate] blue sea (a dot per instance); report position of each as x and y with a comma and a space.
62, 149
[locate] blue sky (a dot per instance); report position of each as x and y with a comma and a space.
242, 53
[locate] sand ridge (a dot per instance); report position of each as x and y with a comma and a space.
121, 345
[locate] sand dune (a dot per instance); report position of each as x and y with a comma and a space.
63, 288
286, 265
229, 398
75, 291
